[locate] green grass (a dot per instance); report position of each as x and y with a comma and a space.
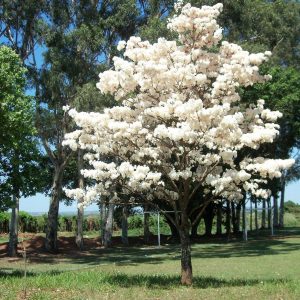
259, 269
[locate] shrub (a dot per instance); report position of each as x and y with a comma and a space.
290, 219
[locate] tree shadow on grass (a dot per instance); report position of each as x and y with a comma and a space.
19, 273
168, 282
151, 281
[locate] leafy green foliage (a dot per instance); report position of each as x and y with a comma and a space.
19, 153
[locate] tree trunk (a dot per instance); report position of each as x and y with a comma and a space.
146, 225
244, 220
125, 225
173, 228
237, 219
275, 216
52, 222
256, 215
233, 217
251, 220
228, 225
194, 230
208, 219
219, 218
13, 231
103, 220
281, 211
263, 214
186, 261
269, 212
80, 209
109, 226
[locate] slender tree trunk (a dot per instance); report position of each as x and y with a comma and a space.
173, 228
194, 230
263, 214
228, 225
80, 209
208, 219
13, 231
146, 225
251, 219
233, 217
244, 220
52, 222
255, 215
269, 212
237, 220
103, 220
219, 218
109, 226
275, 216
186, 255
281, 211
125, 225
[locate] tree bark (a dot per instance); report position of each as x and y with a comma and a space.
228, 225
125, 225
109, 226
194, 230
244, 220
52, 222
13, 231
275, 215
186, 258
281, 210
173, 228
269, 212
80, 209
208, 219
263, 214
256, 215
219, 218
251, 220
103, 220
237, 218
233, 217
146, 225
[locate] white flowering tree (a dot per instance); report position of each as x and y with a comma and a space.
179, 128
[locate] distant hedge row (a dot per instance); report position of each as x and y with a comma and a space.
34, 224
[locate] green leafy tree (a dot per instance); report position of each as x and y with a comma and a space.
19, 153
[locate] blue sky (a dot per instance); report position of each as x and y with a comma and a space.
40, 203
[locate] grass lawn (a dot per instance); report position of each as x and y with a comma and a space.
262, 268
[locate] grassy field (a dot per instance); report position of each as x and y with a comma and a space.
262, 268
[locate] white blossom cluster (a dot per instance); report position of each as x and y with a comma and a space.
179, 125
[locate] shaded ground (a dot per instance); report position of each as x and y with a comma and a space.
263, 268
93, 250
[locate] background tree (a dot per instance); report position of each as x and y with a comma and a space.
19, 153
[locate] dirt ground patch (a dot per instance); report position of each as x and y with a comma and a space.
34, 245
